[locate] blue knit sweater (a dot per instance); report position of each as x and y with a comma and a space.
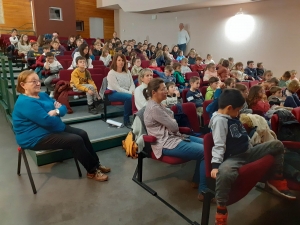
31, 121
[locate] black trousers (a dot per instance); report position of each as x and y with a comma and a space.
77, 141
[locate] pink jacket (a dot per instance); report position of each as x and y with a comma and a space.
261, 106
209, 74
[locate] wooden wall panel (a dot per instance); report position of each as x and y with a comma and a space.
16, 14
88, 8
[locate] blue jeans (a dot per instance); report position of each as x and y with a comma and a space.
126, 99
192, 151
182, 47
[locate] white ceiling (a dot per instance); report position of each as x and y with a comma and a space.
158, 6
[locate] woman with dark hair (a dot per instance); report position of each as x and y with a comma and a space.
160, 123
38, 126
41, 42
121, 84
83, 51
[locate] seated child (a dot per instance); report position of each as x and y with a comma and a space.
81, 81
55, 48
231, 63
293, 75
192, 58
168, 77
184, 66
270, 83
173, 96
210, 72
257, 99
230, 83
195, 96
260, 69
210, 91
232, 150
276, 92
33, 54
285, 79
198, 66
153, 66
268, 75
78, 43
209, 59
136, 69
51, 71
251, 71
105, 57
292, 100
179, 77
244, 90
238, 72
223, 70
180, 56
97, 49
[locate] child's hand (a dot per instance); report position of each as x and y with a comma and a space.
90, 92
57, 105
213, 173
177, 93
52, 113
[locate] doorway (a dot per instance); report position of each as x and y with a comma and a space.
96, 27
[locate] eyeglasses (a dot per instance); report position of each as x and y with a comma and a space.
35, 82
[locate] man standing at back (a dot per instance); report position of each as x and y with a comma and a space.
183, 38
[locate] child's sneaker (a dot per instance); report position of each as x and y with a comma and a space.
92, 109
221, 216
281, 188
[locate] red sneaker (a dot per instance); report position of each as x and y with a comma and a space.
281, 188
221, 219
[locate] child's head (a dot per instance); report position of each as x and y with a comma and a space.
260, 65
256, 93
239, 66
159, 53
137, 61
195, 82
250, 64
209, 57
46, 48
71, 39
145, 47
273, 82
221, 61
213, 82
230, 59
286, 76
84, 50
211, 67
180, 52
110, 45
168, 70
153, 63
78, 42
81, 62
49, 57
184, 62
192, 54
171, 87
104, 52
24, 40
225, 63
159, 45
268, 74
152, 48
119, 50
230, 82
35, 46
177, 66
276, 91
293, 74
243, 89
14, 32
128, 48
198, 60
55, 45
146, 42
175, 48
145, 76
293, 86
230, 102
97, 45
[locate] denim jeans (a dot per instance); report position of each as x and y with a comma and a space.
182, 47
193, 151
126, 99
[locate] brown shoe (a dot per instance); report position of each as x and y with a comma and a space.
98, 176
104, 169
194, 185
201, 198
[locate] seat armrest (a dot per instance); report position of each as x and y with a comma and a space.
108, 92
149, 138
185, 130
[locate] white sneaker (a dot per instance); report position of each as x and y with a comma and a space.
76, 97
51, 94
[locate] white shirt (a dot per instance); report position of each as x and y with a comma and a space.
106, 59
139, 98
89, 62
209, 61
185, 69
13, 40
183, 37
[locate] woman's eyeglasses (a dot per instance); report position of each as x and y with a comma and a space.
35, 82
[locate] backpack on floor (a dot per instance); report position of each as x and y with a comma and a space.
289, 127
130, 146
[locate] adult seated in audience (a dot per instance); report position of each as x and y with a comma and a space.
250, 70
120, 82
83, 51
81, 81
223, 70
41, 42
105, 57
13, 42
38, 126
145, 77
160, 123
23, 46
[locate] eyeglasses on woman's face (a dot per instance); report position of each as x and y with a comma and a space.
35, 82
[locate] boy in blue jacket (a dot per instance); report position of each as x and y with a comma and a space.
232, 150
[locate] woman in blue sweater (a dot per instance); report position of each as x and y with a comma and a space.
38, 126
